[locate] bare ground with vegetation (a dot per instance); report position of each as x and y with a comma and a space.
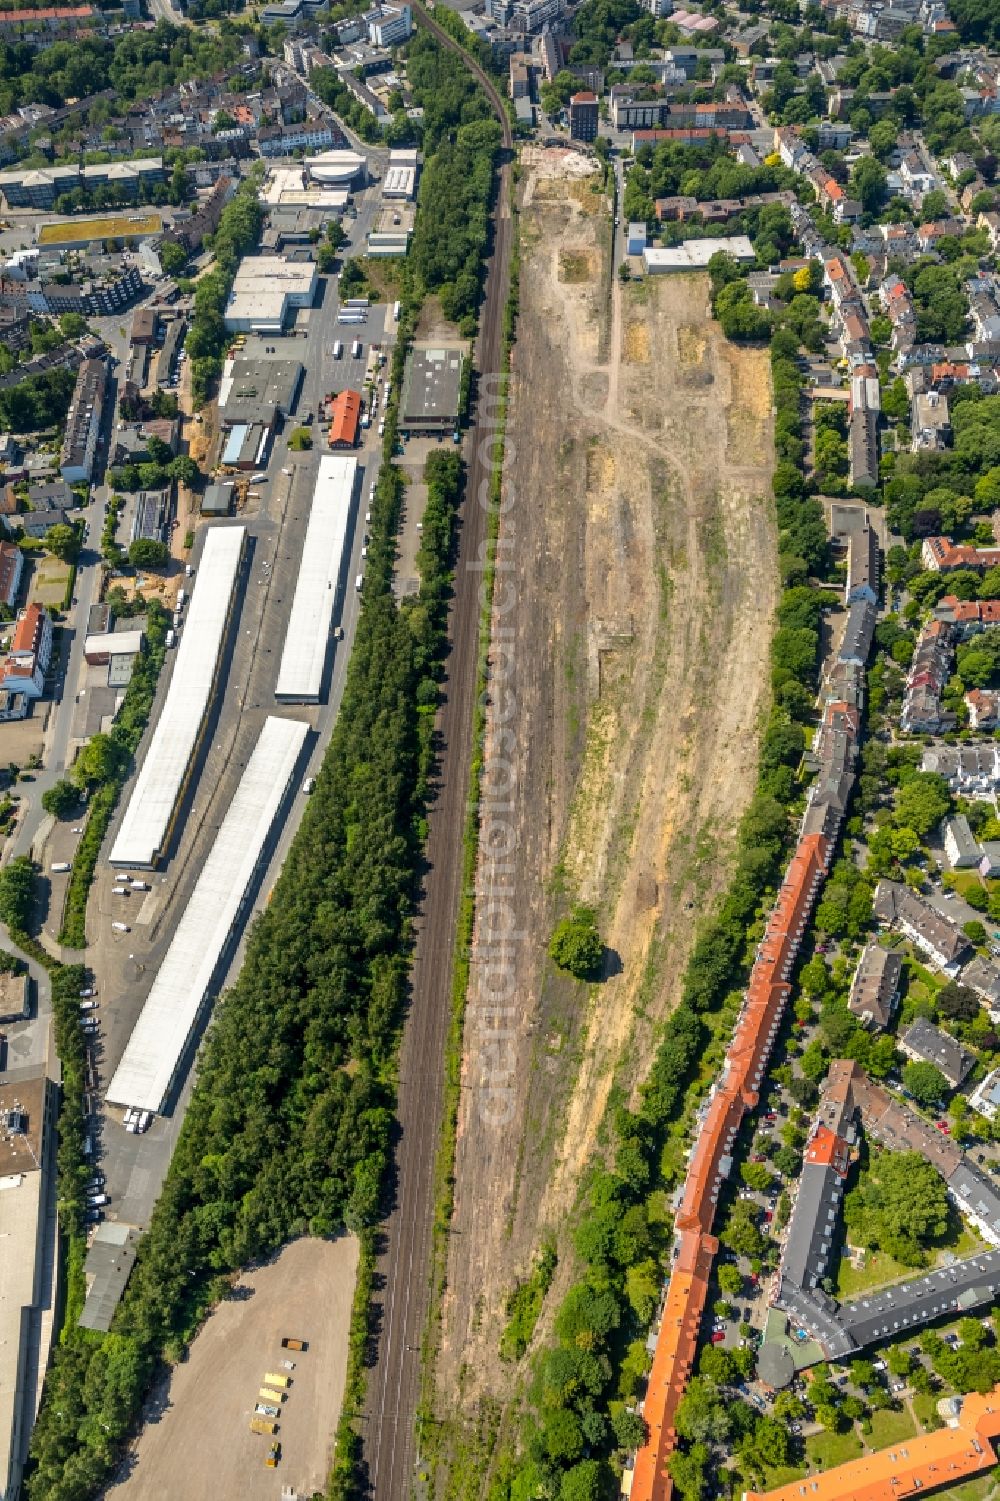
643, 583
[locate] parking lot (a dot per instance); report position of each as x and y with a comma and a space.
196, 1442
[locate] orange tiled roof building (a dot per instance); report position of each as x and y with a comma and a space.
914, 1467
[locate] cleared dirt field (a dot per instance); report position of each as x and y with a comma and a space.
196, 1442
638, 589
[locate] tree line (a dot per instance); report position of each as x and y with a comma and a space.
237, 234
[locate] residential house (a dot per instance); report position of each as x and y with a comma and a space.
925, 1043
875, 986
896, 907
11, 569
930, 422
960, 844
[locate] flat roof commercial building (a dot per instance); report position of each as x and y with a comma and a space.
27, 1271
258, 390
149, 816
152, 1059
265, 290
694, 255
432, 388
303, 660
335, 166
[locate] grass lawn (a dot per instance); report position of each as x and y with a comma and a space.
880, 1270
963, 881
48, 584
920, 972
925, 1407
782, 1475
829, 1449
972, 1490
890, 1428
102, 227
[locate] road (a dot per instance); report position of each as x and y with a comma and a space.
389, 1433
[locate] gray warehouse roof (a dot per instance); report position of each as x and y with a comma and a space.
254, 390
108, 1267
432, 385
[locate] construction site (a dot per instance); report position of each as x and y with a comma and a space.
641, 546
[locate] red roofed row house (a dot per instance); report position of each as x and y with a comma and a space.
738, 1088
942, 555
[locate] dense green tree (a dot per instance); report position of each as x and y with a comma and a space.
61, 799
63, 542
900, 1206
576, 944
17, 886
926, 1083
144, 552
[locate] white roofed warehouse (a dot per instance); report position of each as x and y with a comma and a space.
153, 1057
265, 290
303, 660
156, 793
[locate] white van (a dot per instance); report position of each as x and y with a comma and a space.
338, 350
139, 885
120, 927
359, 581
356, 348
395, 312
170, 638
119, 891
60, 865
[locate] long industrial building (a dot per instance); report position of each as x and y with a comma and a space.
148, 818
151, 1062
303, 660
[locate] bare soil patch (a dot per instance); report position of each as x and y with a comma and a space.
643, 583
196, 1441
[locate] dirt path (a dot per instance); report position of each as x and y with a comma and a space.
196, 1441
637, 594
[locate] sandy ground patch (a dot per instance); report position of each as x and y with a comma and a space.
196, 1442
643, 584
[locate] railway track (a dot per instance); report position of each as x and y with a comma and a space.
403, 1271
